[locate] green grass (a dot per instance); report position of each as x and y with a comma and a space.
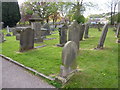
99, 67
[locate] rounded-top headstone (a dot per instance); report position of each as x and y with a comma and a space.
69, 54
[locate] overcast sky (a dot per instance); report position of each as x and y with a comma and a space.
100, 8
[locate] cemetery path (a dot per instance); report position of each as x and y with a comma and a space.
14, 76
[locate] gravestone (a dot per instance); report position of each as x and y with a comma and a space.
26, 38
63, 35
69, 66
86, 31
2, 39
82, 29
118, 33
73, 34
47, 26
14, 31
1, 25
17, 36
37, 34
8, 31
103, 36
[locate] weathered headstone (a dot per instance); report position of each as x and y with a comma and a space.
103, 36
82, 29
2, 39
63, 35
14, 31
47, 26
37, 28
17, 36
118, 33
8, 31
1, 25
26, 38
86, 31
69, 66
73, 34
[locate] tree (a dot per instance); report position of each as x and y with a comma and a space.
112, 4
10, 13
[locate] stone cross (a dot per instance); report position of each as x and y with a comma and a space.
73, 34
82, 29
69, 54
86, 31
103, 36
26, 38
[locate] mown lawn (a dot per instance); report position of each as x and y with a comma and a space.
99, 67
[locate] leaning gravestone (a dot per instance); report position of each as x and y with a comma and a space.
63, 35
69, 66
103, 36
26, 38
82, 29
2, 39
118, 33
73, 34
37, 28
86, 31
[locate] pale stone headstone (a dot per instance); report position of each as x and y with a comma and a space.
82, 29
69, 54
74, 32
1, 25
8, 31
47, 26
17, 36
37, 28
69, 65
26, 38
103, 36
86, 31
2, 39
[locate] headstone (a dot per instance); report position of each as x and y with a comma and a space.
69, 66
118, 33
86, 31
8, 31
26, 38
2, 39
63, 35
17, 36
1, 25
47, 26
38, 33
82, 29
14, 32
73, 34
103, 36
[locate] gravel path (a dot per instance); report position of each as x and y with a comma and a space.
14, 76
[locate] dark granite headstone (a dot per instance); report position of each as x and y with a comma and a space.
82, 29
26, 39
86, 31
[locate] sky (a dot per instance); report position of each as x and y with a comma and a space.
101, 6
